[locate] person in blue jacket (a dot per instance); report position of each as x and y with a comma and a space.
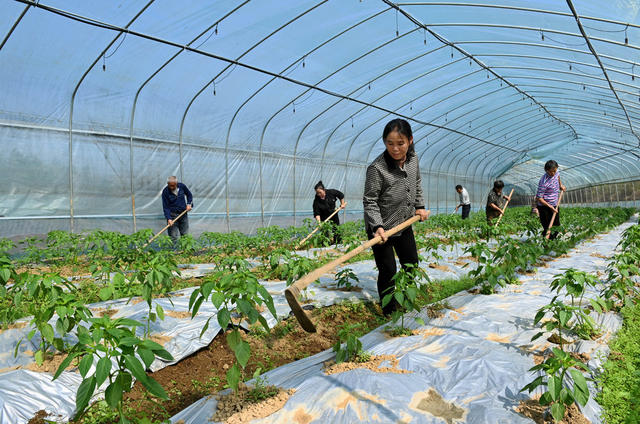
176, 198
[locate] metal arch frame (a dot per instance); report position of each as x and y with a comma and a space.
14, 26
490, 156
405, 83
484, 124
606, 101
476, 156
567, 81
464, 90
186, 111
336, 127
135, 103
587, 163
527, 68
333, 73
575, 153
468, 55
73, 96
552, 59
571, 82
378, 120
541, 46
626, 163
519, 8
443, 149
524, 28
418, 129
604, 71
507, 128
246, 101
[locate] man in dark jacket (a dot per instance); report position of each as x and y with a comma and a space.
173, 204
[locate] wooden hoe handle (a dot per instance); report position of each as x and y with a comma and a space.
318, 227
553, 217
293, 292
164, 229
505, 208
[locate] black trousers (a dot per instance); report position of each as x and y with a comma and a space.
545, 219
465, 211
404, 245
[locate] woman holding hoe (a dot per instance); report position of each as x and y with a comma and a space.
547, 197
495, 201
324, 204
393, 194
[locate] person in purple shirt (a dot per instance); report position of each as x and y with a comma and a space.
547, 197
173, 204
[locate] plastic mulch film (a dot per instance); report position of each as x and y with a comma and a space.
473, 361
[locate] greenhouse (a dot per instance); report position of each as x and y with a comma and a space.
205, 216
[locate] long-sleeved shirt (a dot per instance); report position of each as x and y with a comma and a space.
497, 199
176, 203
325, 207
549, 189
464, 197
391, 194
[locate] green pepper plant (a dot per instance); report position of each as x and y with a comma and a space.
564, 381
116, 351
240, 292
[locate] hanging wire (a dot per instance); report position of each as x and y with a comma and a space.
214, 88
451, 51
105, 56
294, 106
397, 30
542, 34
425, 36
633, 76
303, 60
563, 43
607, 30
626, 37
570, 66
215, 31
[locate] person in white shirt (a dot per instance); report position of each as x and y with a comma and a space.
464, 201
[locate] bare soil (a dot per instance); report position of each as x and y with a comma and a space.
238, 408
41, 417
374, 364
431, 402
51, 364
531, 408
444, 268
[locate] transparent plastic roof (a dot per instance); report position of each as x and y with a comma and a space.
492, 90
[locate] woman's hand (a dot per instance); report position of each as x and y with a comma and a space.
343, 204
380, 232
563, 188
423, 214
318, 218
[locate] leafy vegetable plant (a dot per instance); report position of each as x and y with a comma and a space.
407, 294
344, 277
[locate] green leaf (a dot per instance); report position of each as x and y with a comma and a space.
580, 388
135, 367
161, 353
85, 365
224, 317
129, 341
557, 411
147, 356
154, 388
102, 370
47, 332
555, 385
39, 356
105, 293
113, 394
243, 353
160, 312
83, 396
233, 377
65, 363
